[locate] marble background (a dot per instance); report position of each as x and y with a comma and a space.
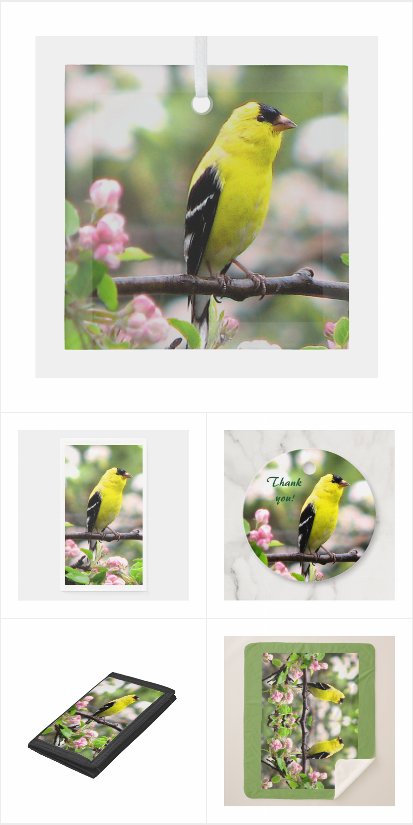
372, 452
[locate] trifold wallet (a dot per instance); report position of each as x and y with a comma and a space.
102, 723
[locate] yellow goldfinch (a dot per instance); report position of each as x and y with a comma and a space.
319, 515
326, 692
114, 707
105, 501
229, 197
326, 749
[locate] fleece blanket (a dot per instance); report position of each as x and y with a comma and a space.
309, 728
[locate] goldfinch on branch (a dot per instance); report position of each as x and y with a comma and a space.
326, 692
319, 515
326, 749
116, 705
105, 501
229, 197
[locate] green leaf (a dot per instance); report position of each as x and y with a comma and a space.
292, 783
71, 268
213, 323
100, 742
283, 732
76, 576
282, 677
81, 284
189, 332
98, 272
134, 253
276, 779
100, 577
277, 662
246, 526
275, 543
87, 752
136, 573
68, 524
314, 347
72, 337
319, 785
298, 576
72, 221
283, 710
293, 658
309, 720
87, 552
260, 553
341, 332
108, 292
344, 257
280, 762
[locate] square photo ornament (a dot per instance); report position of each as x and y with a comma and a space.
104, 500
223, 230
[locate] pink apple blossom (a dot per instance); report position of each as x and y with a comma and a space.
267, 657
112, 579
319, 575
76, 719
316, 665
288, 744
144, 304
82, 704
295, 673
72, 552
276, 696
80, 743
280, 567
91, 734
116, 563
262, 516
88, 236
105, 194
289, 696
276, 745
266, 784
294, 768
106, 253
110, 228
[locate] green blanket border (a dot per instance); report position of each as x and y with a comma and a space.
252, 710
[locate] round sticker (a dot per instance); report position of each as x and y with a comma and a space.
309, 515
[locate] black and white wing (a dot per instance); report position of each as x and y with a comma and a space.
202, 205
305, 526
104, 708
93, 508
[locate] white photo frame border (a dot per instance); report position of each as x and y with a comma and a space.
360, 55
98, 588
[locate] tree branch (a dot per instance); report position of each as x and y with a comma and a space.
77, 533
303, 722
101, 721
321, 558
300, 283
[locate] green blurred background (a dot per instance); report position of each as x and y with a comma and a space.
136, 124
84, 466
356, 518
329, 720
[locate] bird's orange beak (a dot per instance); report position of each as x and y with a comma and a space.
127, 475
281, 123
343, 483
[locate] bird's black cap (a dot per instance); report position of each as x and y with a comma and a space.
121, 472
268, 113
337, 479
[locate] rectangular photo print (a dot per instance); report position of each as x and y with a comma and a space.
242, 210
95, 720
104, 500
